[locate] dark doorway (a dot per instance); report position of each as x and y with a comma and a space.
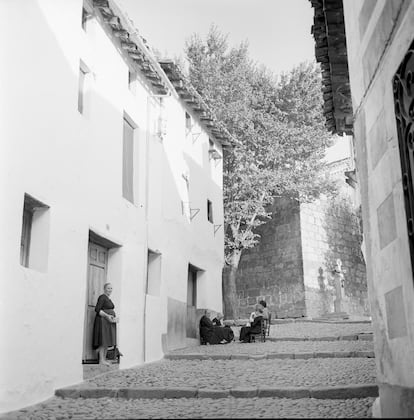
191, 327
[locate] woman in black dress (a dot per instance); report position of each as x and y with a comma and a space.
104, 327
212, 334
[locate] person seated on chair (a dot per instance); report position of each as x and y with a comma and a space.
253, 314
255, 327
211, 334
265, 310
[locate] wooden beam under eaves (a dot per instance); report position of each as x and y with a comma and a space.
128, 46
101, 3
121, 33
111, 20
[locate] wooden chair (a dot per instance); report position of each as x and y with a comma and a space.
267, 324
262, 334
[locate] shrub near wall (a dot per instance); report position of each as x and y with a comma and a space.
331, 229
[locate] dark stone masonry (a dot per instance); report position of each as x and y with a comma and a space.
291, 268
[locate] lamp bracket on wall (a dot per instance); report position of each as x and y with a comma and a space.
214, 154
195, 136
193, 212
216, 228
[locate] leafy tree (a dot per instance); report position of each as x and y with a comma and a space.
280, 127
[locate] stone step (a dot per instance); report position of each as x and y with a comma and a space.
228, 374
362, 336
183, 408
320, 392
271, 355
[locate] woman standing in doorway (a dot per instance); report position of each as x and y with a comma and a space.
104, 327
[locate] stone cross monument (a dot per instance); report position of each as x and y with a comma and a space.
339, 286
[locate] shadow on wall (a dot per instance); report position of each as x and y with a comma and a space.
343, 229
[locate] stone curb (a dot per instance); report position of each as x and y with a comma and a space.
263, 356
213, 393
318, 321
288, 392
345, 391
332, 392
243, 392
276, 321
353, 337
136, 393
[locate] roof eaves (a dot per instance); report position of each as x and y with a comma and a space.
133, 45
330, 51
196, 103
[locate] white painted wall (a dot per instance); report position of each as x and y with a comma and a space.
73, 163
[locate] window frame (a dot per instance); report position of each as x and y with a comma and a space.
128, 167
210, 216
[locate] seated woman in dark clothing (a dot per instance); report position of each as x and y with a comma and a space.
217, 321
211, 334
255, 327
228, 333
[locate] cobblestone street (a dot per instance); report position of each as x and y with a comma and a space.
320, 379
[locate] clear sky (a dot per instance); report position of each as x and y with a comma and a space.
278, 31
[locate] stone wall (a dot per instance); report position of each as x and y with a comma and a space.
273, 270
291, 267
330, 229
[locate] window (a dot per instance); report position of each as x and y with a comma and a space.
187, 123
34, 241
132, 79
25, 238
153, 273
128, 162
83, 85
192, 286
85, 17
81, 93
209, 211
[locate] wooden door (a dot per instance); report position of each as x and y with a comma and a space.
97, 269
191, 327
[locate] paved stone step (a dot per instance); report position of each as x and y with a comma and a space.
298, 355
317, 330
259, 348
321, 392
227, 374
365, 336
186, 408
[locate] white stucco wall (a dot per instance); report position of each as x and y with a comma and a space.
73, 164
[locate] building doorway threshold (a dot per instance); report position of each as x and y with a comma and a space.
91, 370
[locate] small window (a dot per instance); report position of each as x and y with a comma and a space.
25, 238
210, 211
132, 81
153, 273
81, 92
82, 88
192, 286
34, 241
187, 123
128, 162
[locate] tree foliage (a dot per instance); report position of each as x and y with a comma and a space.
280, 127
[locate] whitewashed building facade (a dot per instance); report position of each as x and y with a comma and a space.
111, 170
